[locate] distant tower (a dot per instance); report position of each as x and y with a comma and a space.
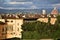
43, 11
54, 11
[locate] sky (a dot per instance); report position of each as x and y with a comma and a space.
28, 4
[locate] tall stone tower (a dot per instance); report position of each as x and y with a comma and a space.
43, 11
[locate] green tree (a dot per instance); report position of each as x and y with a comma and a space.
29, 26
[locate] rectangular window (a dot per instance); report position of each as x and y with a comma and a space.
10, 28
4, 30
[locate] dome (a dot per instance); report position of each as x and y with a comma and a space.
54, 11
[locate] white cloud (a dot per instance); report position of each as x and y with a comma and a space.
33, 7
6, 8
56, 5
1, 7
11, 8
18, 3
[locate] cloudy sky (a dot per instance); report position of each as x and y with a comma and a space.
28, 4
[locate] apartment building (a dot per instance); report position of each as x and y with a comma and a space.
10, 28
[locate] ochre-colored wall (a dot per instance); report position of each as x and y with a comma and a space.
12, 27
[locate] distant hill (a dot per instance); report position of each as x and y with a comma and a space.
25, 10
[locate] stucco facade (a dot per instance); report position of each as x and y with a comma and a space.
12, 28
43, 20
52, 20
